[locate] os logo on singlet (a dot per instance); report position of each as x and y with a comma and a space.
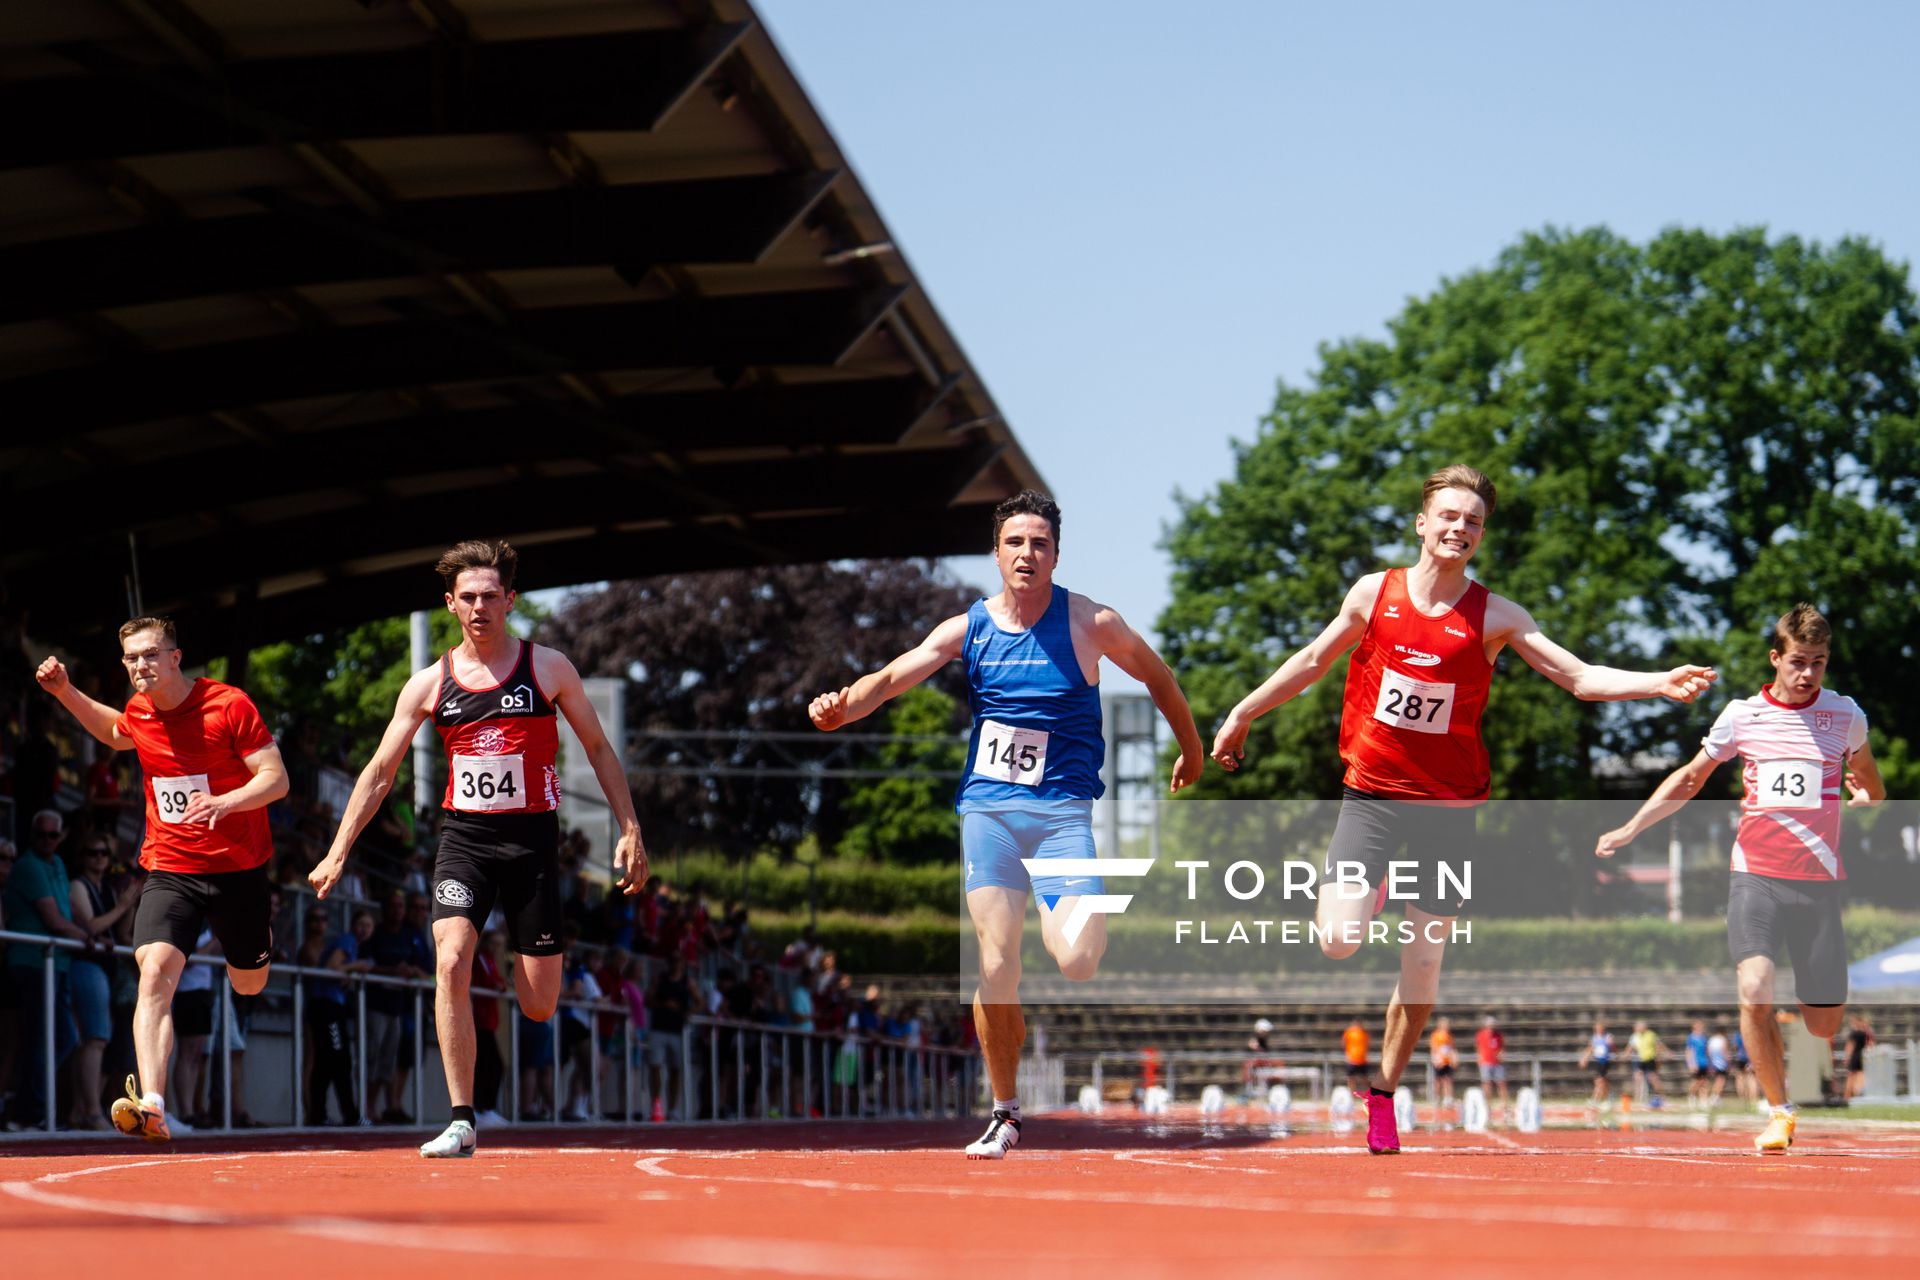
519, 698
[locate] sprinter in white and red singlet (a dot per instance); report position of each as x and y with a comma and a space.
1804, 750
494, 700
1410, 737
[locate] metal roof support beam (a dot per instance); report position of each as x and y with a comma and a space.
813, 327
294, 244
612, 81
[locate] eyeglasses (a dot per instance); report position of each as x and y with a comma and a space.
145, 655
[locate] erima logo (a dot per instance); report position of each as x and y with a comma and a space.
1088, 905
449, 708
1393, 611
453, 893
520, 699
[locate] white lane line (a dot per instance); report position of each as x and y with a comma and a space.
1875, 1237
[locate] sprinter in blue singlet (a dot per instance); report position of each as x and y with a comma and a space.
1032, 655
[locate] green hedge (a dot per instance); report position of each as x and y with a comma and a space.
929, 942
842, 884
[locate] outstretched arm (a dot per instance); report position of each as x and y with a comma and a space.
1678, 787
1509, 624
376, 780
629, 852
95, 717
1133, 655
870, 692
1298, 672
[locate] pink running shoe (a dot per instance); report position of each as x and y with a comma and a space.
1383, 1135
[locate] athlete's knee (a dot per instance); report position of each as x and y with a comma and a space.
1079, 966
1823, 1020
248, 982
1756, 989
999, 973
1335, 947
453, 972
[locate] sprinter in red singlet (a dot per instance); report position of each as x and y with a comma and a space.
1410, 737
493, 699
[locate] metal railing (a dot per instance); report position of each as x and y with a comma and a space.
715, 1070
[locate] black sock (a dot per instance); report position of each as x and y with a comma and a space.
463, 1113
1379, 1093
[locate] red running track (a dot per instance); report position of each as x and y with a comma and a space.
1081, 1197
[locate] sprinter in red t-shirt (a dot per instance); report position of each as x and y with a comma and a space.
211, 771
1410, 737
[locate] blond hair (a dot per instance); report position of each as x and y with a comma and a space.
1458, 476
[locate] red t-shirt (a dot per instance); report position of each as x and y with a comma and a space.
1410, 729
199, 745
1488, 1044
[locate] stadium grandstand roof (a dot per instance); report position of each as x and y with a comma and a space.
300, 291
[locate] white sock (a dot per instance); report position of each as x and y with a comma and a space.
1784, 1109
1008, 1104
153, 1100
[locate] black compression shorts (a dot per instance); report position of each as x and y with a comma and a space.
512, 858
176, 905
1373, 831
1763, 912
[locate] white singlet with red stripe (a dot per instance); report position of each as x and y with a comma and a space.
1794, 755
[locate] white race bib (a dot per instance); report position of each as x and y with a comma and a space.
170, 795
1418, 706
1011, 755
1788, 784
484, 784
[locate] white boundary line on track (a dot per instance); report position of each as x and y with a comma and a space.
1873, 1237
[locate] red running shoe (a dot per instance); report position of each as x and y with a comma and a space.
1383, 1135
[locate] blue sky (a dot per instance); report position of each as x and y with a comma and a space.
1137, 217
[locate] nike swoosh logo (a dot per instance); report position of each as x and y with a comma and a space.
1071, 883
981, 640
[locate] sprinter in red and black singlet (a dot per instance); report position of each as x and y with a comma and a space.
500, 839
1410, 738
495, 701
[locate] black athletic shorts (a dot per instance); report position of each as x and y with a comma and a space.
1763, 912
1601, 1067
1373, 831
1443, 1073
176, 905
512, 858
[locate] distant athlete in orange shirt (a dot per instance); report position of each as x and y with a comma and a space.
1444, 1057
1410, 736
1354, 1042
211, 770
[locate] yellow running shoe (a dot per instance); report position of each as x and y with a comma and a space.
1777, 1136
136, 1119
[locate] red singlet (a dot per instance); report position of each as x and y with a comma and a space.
200, 745
1416, 687
501, 742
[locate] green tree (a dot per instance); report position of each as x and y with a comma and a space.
909, 818
1687, 437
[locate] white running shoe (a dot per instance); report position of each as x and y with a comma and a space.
458, 1142
1002, 1136
489, 1120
